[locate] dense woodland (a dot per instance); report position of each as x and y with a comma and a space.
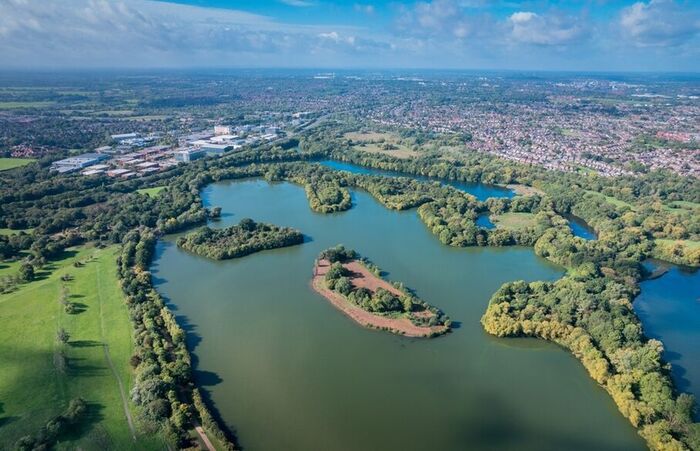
239, 240
588, 311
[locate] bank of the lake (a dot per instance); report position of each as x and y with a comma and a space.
669, 308
481, 191
289, 371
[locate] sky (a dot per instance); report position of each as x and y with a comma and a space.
574, 35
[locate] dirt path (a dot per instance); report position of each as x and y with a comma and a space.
363, 277
108, 358
203, 435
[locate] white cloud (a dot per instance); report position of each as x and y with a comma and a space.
530, 28
298, 3
659, 23
444, 19
146, 33
427, 33
366, 9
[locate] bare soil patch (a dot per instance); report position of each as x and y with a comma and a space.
524, 190
362, 277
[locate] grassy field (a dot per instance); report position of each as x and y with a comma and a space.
681, 206
9, 268
678, 206
33, 390
524, 190
11, 163
13, 231
612, 200
513, 221
372, 142
20, 105
151, 191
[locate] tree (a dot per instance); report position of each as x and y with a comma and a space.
62, 335
26, 272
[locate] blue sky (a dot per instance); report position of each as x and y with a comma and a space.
585, 35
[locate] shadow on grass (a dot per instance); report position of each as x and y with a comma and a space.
78, 307
77, 369
84, 343
92, 417
5, 420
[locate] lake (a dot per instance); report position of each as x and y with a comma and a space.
290, 372
669, 308
481, 191
580, 228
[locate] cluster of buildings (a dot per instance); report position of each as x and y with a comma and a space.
566, 132
134, 164
223, 139
129, 158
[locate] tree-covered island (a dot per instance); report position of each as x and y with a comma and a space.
355, 286
245, 238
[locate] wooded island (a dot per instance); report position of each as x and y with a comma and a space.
245, 238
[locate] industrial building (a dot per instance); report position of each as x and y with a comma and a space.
77, 162
187, 155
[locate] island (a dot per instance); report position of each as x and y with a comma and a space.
355, 286
245, 238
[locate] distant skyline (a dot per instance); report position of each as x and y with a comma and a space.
578, 35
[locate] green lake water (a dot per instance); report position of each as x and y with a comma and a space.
287, 371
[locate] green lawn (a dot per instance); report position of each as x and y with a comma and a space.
612, 200
513, 221
13, 231
151, 191
33, 390
681, 206
11, 163
20, 105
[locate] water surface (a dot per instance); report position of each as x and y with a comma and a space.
481, 191
290, 372
669, 308
484, 221
580, 228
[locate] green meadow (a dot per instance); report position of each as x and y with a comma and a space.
11, 163
35, 386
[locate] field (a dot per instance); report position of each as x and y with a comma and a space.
151, 191
32, 387
384, 143
513, 221
612, 200
10, 163
21, 105
681, 206
14, 232
524, 190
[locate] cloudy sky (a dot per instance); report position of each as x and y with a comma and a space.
596, 35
